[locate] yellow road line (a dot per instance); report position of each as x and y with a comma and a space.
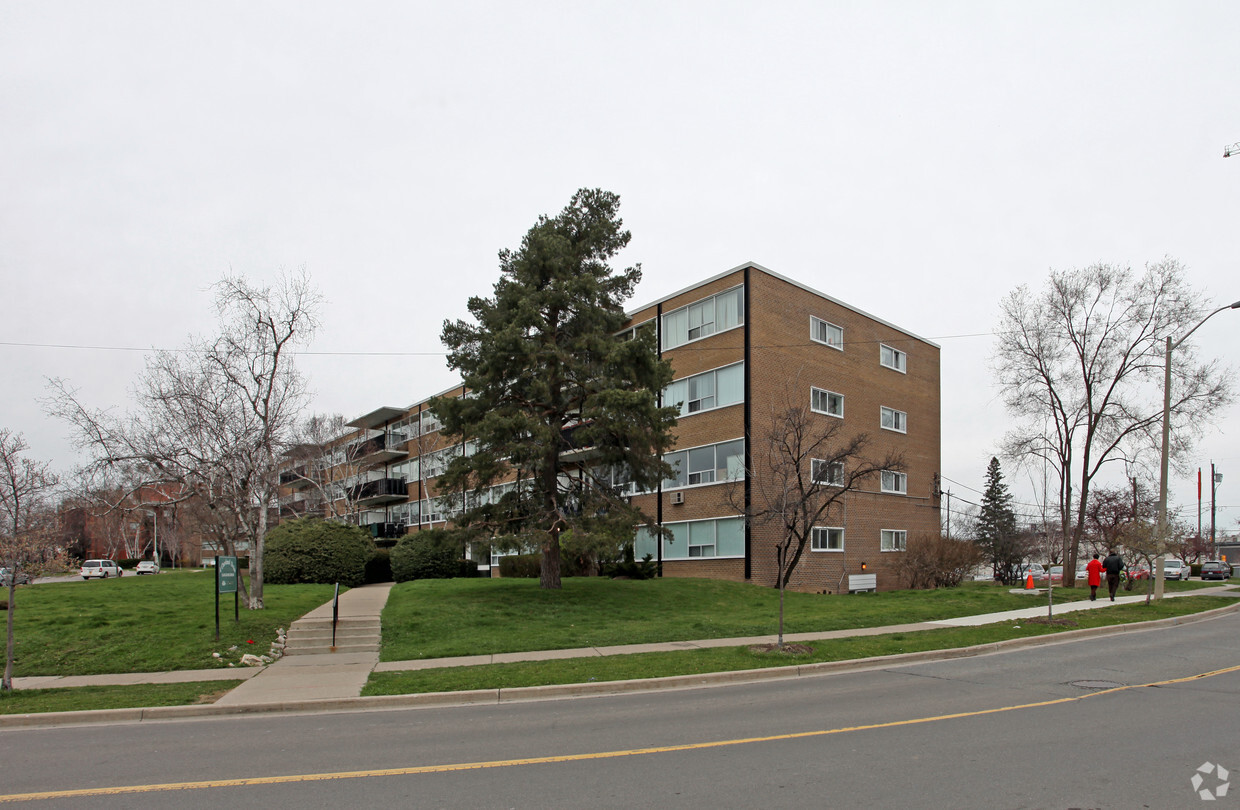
508, 763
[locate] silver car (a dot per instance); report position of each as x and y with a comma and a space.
101, 569
1175, 569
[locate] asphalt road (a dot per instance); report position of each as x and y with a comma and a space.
1031, 728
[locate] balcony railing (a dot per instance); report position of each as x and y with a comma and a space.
384, 447
381, 490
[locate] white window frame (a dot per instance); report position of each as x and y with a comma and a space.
706, 313
894, 482
704, 476
817, 464
898, 359
826, 533
831, 330
898, 419
816, 393
893, 540
714, 395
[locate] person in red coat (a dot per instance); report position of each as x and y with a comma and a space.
1094, 570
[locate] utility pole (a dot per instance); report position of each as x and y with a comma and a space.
1215, 479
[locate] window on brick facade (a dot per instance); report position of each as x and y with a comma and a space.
893, 540
824, 472
696, 539
892, 358
702, 392
891, 419
706, 465
704, 318
828, 402
895, 482
826, 538
821, 331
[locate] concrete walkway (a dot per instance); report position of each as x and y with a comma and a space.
325, 676
318, 676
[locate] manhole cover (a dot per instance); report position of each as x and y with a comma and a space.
1096, 684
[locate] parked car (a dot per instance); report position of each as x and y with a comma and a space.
147, 567
1137, 572
1175, 569
1215, 570
101, 569
5, 576
1023, 571
1055, 574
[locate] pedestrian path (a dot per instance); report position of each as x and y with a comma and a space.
323, 675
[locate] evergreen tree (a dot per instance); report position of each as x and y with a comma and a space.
556, 398
996, 526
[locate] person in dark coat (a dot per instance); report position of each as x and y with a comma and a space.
1114, 566
1094, 570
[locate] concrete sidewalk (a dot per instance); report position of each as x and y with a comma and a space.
296, 678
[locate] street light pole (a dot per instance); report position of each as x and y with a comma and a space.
1166, 442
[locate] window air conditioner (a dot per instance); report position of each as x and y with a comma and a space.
678, 498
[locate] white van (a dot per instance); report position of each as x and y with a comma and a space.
101, 569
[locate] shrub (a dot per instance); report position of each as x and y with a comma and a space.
628, 569
430, 554
379, 567
933, 561
310, 549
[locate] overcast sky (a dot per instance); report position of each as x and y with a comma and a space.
915, 160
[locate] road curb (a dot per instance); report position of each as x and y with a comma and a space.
595, 689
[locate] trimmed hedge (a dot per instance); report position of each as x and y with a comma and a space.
430, 554
313, 550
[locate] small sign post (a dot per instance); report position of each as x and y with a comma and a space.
226, 582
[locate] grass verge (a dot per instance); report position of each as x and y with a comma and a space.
729, 659
82, 698
452, 617
145, 624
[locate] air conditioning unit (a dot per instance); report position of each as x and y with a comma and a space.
678, 498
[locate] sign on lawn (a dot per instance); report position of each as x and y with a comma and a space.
226, 574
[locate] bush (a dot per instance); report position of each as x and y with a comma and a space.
379, 567
430, 554
628, 569
310, 549
932, 561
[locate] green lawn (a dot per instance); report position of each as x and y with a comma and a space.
145, 624
728, 659
441, 618
83, 698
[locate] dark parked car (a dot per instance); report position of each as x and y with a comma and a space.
22, 578
1215, 570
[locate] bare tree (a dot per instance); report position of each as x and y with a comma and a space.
802, 468
27, 536
216, 417
1080, 367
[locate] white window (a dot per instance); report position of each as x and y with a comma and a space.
826, 538
717, 537
894, 540
702, 392
892, 358
821, 331
706, 465
828, 402
824, 472
704, 318
891, 419
895, 482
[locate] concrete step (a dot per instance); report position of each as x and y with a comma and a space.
341, 647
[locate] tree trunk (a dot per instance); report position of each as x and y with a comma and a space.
549, 567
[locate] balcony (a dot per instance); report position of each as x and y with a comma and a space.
296, 478
378, 449
386, 530
572, 445
379, 491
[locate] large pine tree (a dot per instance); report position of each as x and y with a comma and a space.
557, 400
996, 526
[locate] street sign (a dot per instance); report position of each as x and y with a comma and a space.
226, 574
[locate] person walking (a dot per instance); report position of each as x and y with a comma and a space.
1094, 570
1114, 566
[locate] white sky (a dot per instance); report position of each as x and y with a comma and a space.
916, 160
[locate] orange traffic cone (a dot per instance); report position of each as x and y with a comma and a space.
1029, 582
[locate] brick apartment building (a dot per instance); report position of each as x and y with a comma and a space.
742, 344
